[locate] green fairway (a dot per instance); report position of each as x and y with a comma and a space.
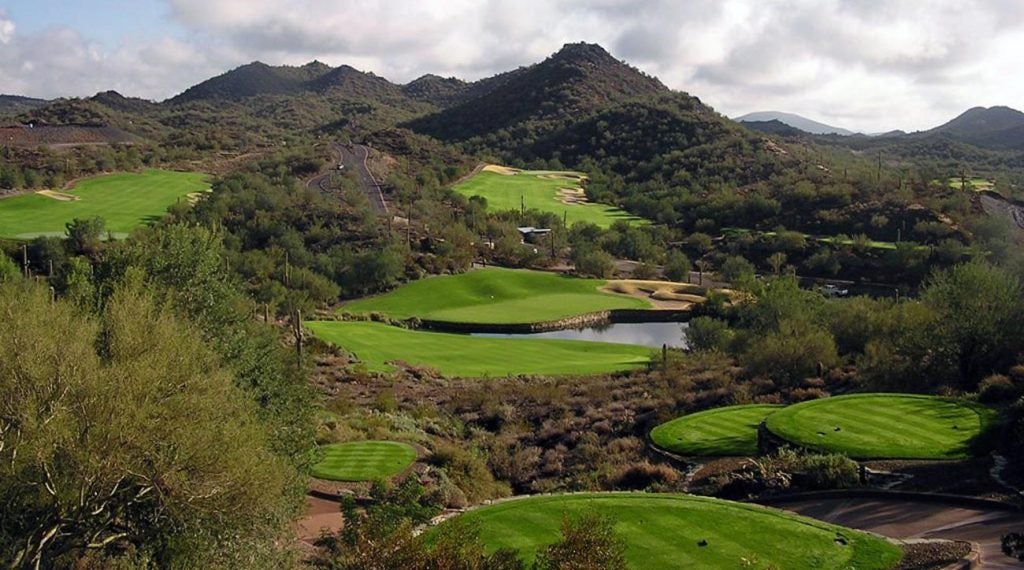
975, 184
731, 430
125, 201
664, 531
377, 344
496, 296
556, 192
363, 460
884, 426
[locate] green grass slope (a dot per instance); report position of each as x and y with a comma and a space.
884, 426
376, 344
496, 296
125, 201
663, 531
727, 431
363, 460
538, 190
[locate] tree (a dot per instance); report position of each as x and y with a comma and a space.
777, 261
981, 308
85, 235
588, 542
677, 266
592, 261
707, 333
125, 437
797, 350
736, 269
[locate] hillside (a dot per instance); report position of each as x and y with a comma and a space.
256, 78
773, 127
796, 121
14, 104
993, 127
575, 82
440, 91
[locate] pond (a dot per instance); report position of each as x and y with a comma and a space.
645, 334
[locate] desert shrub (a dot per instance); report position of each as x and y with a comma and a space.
798, 350
468, 471
645, 475
826, 471
708, 334
997, 388
588, 542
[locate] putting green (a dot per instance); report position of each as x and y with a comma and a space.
727, 431
559, 193
378, 344
683, 531
496, 296
363, 460
884, 426
125, 201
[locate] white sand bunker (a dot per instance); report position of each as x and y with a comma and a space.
194, 197
572, 196
59, 196
503, 170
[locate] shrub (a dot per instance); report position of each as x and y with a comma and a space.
588, 542
708, 334
645, 475
997, 388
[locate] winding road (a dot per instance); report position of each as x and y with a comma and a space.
353, 158
904, 518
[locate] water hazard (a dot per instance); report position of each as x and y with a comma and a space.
645, 334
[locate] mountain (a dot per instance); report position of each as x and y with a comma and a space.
441, 91
773, 127
256, 78
118, 102
795, 121
14, 104
575, 82
992, 127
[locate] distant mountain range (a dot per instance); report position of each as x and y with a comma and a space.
993, 127
796, 121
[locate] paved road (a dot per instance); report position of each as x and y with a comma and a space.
353, 157
899, 518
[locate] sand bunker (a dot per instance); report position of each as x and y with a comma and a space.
569, 177
59, 196
572, 196
194, 197
503, 170
663, 294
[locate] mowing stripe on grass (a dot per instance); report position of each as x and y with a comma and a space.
663, 531
363, 460
125, 201
496, 295
731, 430
377, 345
884, 426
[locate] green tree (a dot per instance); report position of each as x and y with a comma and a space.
677, 266
85, 235
981, 308
124, 436
736, 269
707, 333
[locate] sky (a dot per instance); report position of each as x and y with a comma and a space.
868, 65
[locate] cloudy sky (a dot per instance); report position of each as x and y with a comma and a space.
870, 65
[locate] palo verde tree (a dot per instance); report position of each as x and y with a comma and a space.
124, 437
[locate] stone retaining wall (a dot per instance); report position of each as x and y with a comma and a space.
576, 322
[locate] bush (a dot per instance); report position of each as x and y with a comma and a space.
588, 542
797, 351
708, 334
827, 471
645, 475
677, 266
997, 388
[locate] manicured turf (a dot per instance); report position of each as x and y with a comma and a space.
731, 430
975, 184
363, 460
495, 295
539, 191
377, 344
125, 201
884, 426
664, 531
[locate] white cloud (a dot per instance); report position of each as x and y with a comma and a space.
6, 28
865, 64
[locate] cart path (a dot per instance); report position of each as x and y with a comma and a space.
353, 158
919, 518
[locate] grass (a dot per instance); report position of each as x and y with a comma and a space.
728, 431
663, 531
884, 426
539, 190
975, 184
496, 296
377, 344
363, 460
125, 201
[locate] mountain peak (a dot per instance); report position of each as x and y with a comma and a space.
582, 51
